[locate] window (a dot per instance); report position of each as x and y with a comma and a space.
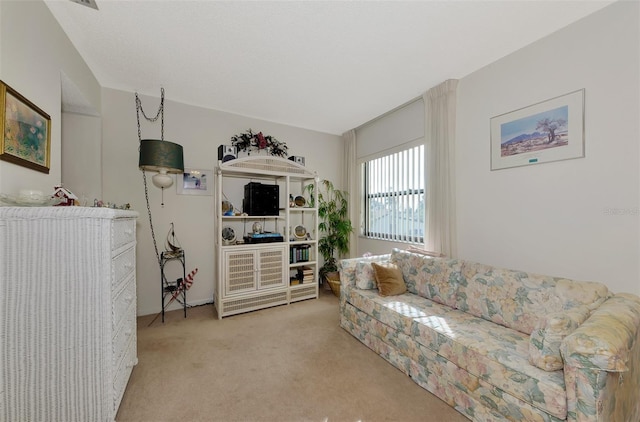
394, 202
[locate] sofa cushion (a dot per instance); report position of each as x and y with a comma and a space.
395, 311
389, 279
494, 354
518, 299
545, 340
434, 278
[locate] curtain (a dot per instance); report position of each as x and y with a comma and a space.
440, 127
350, 183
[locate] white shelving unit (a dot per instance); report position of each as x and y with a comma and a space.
254, 276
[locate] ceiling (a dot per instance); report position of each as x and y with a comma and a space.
328, 66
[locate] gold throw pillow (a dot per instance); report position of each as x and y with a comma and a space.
389, 279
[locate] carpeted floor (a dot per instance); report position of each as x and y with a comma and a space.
288, 363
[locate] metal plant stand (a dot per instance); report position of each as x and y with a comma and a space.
174, 290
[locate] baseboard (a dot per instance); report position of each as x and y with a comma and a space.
175, 306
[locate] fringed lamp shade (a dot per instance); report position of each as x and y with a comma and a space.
163, 157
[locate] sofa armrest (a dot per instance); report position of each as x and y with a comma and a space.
602, 363
347, 268
605, 339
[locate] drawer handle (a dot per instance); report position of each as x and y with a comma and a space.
128, 298
128, 265
127, 333
128, 232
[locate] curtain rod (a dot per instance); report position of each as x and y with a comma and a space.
413, 100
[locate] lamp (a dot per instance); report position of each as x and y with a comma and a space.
158, 155
163, 157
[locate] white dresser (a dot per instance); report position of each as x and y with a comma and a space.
67, 312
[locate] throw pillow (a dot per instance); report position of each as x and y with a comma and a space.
365, 277
547, 336
389, 279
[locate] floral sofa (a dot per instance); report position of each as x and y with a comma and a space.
498, 344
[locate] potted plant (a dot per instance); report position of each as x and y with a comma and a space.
334, 227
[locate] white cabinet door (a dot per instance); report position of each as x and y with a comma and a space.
240, 272
272, 268
249, 270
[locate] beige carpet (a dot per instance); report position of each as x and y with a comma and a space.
288, 363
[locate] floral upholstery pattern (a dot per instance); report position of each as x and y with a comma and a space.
546, 338
518, 300
497, 355
356, 272
434, 278
365, 276
479, 361
602, 363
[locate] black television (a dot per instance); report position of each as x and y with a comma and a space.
261, 199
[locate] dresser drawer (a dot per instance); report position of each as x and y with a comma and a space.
122, 373
123, 265
124, 231
122, 302
123, 335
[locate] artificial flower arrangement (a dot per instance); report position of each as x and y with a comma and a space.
257, 141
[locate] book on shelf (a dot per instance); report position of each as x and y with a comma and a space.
305, 274
294, 281
299, 253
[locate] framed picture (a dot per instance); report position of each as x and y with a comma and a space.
25, 129
548, 131
195, 182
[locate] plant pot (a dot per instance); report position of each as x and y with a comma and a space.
333, 278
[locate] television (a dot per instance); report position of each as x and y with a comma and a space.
261, 199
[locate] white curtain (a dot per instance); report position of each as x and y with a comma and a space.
440, 128
350, 183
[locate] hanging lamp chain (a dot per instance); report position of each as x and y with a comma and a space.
160, 114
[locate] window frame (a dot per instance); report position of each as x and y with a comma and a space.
364, 163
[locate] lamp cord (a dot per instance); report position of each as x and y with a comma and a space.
144, 173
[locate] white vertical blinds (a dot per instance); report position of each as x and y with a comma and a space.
394, 188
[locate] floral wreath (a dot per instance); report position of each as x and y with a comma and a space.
257, 141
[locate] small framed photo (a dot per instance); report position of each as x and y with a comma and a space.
195, 182
25, 131
551, 130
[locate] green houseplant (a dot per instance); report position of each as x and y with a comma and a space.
334, 225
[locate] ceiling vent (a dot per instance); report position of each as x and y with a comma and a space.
89, 3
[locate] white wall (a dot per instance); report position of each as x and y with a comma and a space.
377, 138
199, 131
81, 156
555, 218
34, 51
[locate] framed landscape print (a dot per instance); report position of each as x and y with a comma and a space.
548, 131
25, 129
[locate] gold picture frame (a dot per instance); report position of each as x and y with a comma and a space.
25, 131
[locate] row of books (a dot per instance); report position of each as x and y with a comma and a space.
299, 253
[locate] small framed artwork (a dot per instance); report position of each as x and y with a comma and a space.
552, 130
25, 131
195, 182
